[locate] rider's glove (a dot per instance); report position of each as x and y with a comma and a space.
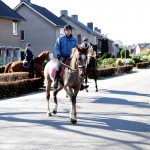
58, 57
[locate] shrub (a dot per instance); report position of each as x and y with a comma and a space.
123, 53
2, 69
145, 52
136, 59
104, 72
14, 88
143, 58
142, 65
5, 77
148, 58
22, 54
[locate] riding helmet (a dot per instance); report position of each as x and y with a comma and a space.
67, 27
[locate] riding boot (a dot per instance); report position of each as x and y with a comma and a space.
56, 77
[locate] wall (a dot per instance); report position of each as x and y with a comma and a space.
79, 30
6, 33
38, 31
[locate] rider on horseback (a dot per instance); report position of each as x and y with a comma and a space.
63, 47
29, 57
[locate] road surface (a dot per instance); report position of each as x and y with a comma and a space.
117, 117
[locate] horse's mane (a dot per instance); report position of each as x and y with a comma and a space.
41, 54
73, 52
80, 49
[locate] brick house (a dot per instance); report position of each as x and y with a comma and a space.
9, 26
41, 27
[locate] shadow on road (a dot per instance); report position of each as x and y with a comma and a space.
125, 92
92, 120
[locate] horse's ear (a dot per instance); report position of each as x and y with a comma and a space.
79, 48
91, 44
47, 52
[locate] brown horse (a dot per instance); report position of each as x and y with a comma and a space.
91, 64
70, 80
17, 66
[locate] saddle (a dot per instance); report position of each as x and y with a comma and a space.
62, 68
26, 64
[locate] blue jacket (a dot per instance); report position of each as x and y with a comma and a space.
28, 54
64, 46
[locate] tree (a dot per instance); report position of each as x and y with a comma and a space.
104, 47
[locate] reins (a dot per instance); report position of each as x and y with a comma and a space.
69, 67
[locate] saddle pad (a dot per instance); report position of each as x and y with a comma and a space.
26, 64
52, 73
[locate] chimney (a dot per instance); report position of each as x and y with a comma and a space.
97, 29
90, 25
64, 12
75, 17
27, 1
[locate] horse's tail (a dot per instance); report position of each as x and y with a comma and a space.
7, 67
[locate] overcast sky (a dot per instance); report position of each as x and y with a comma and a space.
124, 20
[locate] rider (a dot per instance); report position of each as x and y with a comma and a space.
30, 58
85, 42
63, 47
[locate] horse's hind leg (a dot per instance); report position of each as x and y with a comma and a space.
95, 79
86, 74
48, 87
55, 98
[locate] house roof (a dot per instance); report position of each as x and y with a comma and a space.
42, 11
143, 45
82, 25
7, 12
147, 47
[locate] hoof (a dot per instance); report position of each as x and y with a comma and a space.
96, 90
49, 114
54, 112
72, 121
87, 90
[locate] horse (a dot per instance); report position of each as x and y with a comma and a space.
91, 65
17, 66
71, 80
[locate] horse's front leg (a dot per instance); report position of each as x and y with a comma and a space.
73, 111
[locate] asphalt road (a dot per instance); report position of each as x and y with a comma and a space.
115, 118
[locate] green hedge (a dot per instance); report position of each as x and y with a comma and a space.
2, 69
15, 88
104, 72
142, 65
5, 77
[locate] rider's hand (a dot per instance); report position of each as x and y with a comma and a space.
58, 57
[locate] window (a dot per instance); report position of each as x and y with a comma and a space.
22, 35
15, 28
61, 31
79, 38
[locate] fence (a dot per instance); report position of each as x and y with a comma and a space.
9, 54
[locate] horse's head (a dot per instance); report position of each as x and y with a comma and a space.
94, 46
46, 55
80, 55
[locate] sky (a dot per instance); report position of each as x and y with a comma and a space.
124, 20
